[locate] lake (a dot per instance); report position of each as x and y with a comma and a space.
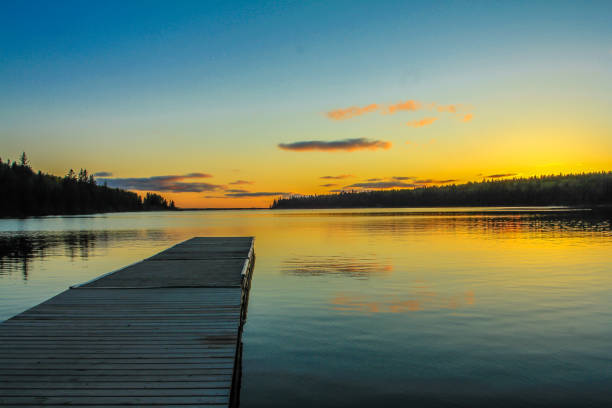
379, 307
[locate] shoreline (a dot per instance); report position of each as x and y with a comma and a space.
461, 209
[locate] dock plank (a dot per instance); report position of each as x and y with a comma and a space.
164, 331
164, 273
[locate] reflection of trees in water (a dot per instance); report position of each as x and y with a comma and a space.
552, 224
18, 251
353, 267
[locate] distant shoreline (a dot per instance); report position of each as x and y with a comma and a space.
560, 207
587, 190
222, 209
604, 210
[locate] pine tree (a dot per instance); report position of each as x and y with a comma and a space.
24, 160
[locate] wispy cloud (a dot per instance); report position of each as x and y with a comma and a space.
172, 183
404, 106
194, 175
241, 182
422, 122
328, 185
336, 145
501, 175
397, 182
339, 177
447, 108
257, 194
347, 113
433, 181
382, 185
407, 106
103, 174
341, 114
237, 190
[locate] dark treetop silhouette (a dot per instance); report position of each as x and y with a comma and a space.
589, 189
25, 192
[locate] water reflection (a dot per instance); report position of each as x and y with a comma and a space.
549, 224
418, 301
18, 251
446, 211
360, 268
392, 307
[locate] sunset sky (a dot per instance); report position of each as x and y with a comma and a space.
231, 104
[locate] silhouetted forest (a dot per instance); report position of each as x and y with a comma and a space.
25, 192
589, 189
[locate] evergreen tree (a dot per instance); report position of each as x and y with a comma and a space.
24, 160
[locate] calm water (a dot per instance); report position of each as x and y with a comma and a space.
376, 307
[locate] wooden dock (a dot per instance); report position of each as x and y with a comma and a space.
165, 331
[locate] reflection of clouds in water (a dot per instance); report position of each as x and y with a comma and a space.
420, 300
336, 265
17, 251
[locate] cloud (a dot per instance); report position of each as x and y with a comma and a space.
328, 185
103, 174
194, 175
257, 194
346, 145
237, 190
241, 182
172, 183
432, 181
341, 114
341, 176
382, 184
501, 175
422, 122
396, 182
467, 117
404, 106
409, 105
447, 108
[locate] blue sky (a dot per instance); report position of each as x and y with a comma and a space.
142, 81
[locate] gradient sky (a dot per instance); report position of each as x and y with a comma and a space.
228, 104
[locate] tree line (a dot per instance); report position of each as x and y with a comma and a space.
586, 189
25, 192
